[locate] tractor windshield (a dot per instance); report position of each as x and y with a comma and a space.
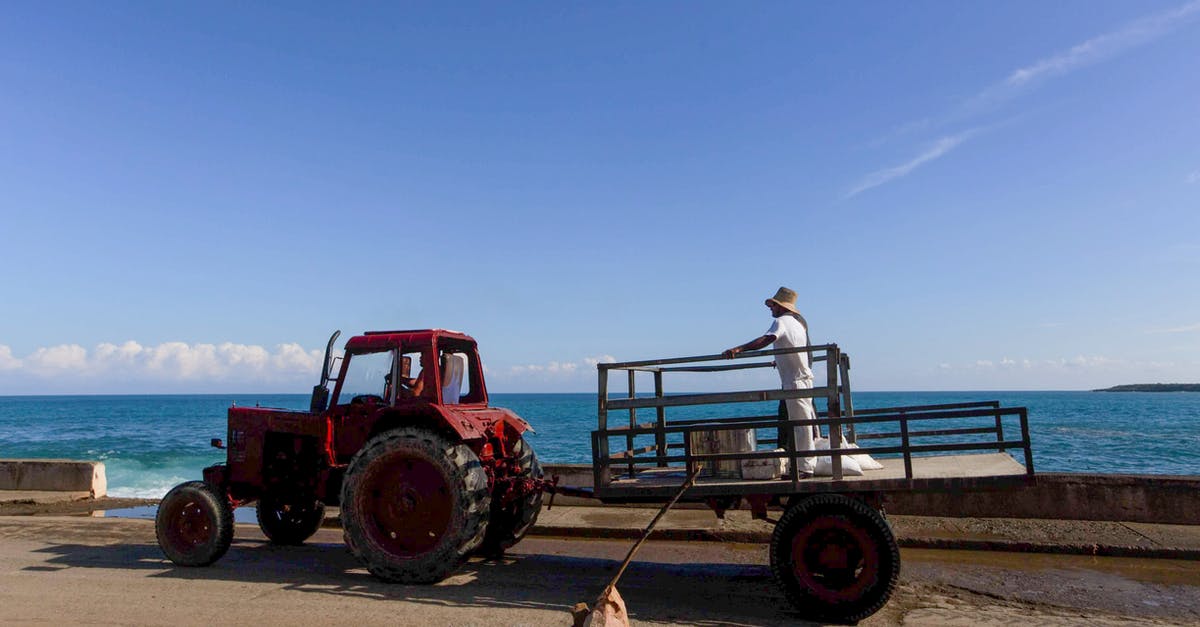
367, 375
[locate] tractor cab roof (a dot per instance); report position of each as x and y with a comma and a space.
372, 340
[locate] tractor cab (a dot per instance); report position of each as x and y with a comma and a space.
395, 368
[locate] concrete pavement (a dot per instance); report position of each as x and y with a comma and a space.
1117, 539
1078, 537
36, 497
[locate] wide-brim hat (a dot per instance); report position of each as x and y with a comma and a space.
784, 298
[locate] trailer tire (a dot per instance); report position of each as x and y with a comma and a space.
835, 558
510, 524
414, 504
289, 520
194, 524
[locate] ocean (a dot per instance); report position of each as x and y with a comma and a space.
151, 443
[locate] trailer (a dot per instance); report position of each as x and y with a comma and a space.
832, 551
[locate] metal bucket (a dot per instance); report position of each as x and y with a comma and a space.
723, 441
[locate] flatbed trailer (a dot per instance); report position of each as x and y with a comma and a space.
832, 551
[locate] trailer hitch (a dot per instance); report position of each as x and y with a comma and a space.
553, 488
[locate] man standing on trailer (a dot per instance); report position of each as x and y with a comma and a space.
789, 330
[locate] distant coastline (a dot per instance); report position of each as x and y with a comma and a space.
1153, 387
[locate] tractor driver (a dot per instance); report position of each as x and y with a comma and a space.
409, 386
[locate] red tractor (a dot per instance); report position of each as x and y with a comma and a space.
424, 470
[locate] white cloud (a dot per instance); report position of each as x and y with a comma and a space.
56, 359
1194, 177
169, 361
294, 358
7, 361
937, 150
602, 359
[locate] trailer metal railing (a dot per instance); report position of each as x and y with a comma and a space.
916, 428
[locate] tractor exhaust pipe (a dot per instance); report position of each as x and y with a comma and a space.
320, 395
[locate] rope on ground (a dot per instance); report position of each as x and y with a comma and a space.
610, 609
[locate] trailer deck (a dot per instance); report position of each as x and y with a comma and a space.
941, 472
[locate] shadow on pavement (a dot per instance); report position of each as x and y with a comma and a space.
698, 594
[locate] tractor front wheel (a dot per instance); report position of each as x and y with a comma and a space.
835, 558
414, 504
194, 524
289, 520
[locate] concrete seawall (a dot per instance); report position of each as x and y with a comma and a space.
1068, 496
1062, 496
53, 475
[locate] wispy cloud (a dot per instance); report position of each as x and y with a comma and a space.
1187, 328
1008, 363
1133, 34
939, 149
1100, 48
1095, 50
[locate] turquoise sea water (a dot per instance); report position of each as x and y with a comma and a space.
150, 443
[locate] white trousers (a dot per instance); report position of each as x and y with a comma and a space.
801, 409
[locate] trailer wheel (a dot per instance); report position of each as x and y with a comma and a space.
835, 558
414, 504
194, 524
289, 520
509, 524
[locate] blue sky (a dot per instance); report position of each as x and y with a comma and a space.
966, 195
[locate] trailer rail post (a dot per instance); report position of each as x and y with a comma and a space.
660, 436
999, 426
632, 422
833, 409
1024, 413
847, 399
600, 474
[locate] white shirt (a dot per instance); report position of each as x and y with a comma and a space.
790, 333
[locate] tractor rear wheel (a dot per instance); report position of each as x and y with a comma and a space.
289, 520
835, 558
510, 523
414, 504
194, 524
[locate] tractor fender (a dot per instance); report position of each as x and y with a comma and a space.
474, 423
514, 421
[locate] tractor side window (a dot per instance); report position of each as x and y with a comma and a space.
367, 376
459, 378
454, 377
